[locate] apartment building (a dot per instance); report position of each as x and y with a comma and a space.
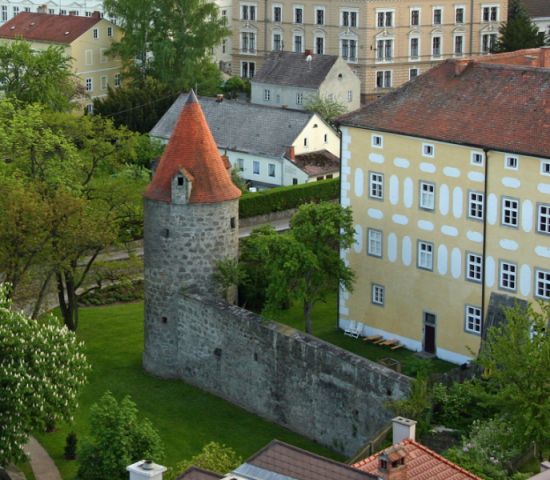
84, 8
85, 39
386, 42
448, 178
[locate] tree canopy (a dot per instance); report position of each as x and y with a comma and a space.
42, 369
328, 109
519, 31
42, 76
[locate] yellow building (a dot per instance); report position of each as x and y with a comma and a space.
386, 42
448, 178
85, 39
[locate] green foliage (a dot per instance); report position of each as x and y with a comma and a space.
519, 31
138, 105
229, 274
171, 39
70, 446
214, 457
515, 359
418, 406
239, 181
328, 109
235, 85
42, 76
42, 369
120, 438
285, 198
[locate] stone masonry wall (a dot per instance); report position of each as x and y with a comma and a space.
291, 378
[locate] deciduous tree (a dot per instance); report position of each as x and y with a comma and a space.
327, 108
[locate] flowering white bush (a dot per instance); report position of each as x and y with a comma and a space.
42, 369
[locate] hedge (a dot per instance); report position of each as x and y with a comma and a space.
284, 198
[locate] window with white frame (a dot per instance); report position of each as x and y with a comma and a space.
384, 18
319, 16
109, 31
4, 13
543, 218
510, 211
95, 33
542, 280
508, 274
319, 45
459, 14
427, 196
305, 142
511, 162
117, 80
248, 11
425, 258
414, 48
437, 16
277, 42
89, 85
103, 82
325, 138
240, 164
350, 96
383, 79
298, 43
277, 13
475, 205
376, 185
51, 11
415, 17
474, 267
271, 169
88, 56
348, 18
472, 319
267, 94
545, 167
489, 13
16, 11
428, 150
299, 98
476, 158
298, 14
413, 73
384, 50
248, 42
255, 167
349, 49
458, 45
374, 242
488, 42
377, 141
90, 109
436, 47
377, 294
248, 69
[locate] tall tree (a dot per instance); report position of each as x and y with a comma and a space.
167, 39
519, 31
327, 108
516, 359
43, 76
42, 369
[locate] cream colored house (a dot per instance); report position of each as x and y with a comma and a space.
85, 39
85, 8
386, 42
449, 182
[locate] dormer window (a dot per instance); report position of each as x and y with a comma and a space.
383, 464
180, 181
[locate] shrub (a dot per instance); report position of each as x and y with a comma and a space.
285, 198
70, 446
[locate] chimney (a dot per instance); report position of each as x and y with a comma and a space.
146, 470
403, 429
290, 153
219, 97
392, 464
308, 53
96, 14
544, 57
460, 66
42, 9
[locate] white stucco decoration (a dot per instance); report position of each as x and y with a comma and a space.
425, 225
406, 251
508, 244
476, 176
489, 271
401, 162
456, 263
449, 230
359, 182
474, 236
442, 259
376, 157
527, 215
542, 251
400, 219
492, 209
544, 188
511, 182
525, 280
444, 199
394, 189
427, 167
358, 244
451, 172
375, 213
408, 192
457, 202
392, 247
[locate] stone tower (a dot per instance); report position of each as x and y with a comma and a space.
191, 220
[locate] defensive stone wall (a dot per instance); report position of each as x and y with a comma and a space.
296, 380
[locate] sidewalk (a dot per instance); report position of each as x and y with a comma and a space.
41, 463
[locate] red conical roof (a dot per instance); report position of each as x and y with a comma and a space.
192, 148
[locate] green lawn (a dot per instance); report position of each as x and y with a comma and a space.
324, 327
186, 417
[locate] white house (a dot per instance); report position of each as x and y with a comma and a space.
270, 146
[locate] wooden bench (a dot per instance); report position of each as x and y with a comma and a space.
372, 338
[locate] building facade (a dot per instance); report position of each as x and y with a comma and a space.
85, 40
450, 192
385, 42
85, 8
539, 11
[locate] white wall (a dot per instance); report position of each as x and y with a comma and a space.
280, 95
69, 5
315, 131
339, 81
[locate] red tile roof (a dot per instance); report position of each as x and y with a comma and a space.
317, 163
193, 151
499, 107
529, 57
47, 28
421, 464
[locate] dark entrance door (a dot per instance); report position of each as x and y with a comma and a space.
429, 332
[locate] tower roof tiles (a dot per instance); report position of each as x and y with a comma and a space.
192, 149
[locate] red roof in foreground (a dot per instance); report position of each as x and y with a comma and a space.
499, 107
421, 463
47, 28
193, 151
529, 57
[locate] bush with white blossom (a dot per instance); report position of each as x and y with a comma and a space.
42, 369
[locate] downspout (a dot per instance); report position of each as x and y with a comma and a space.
339, 133
471, 26
484, 251
265, 29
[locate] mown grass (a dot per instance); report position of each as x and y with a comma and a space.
186, 417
